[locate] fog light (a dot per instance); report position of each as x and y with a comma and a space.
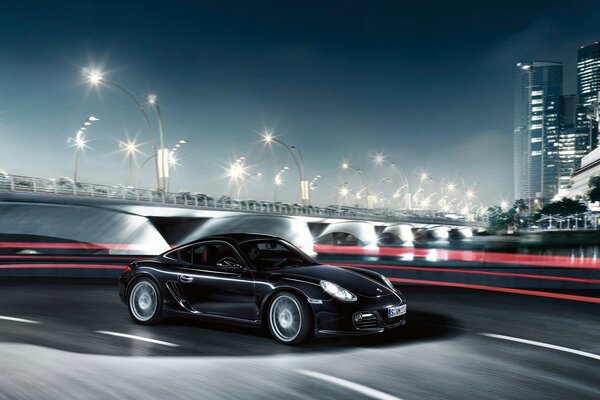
357, 317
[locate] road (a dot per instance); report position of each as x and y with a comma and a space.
65, 341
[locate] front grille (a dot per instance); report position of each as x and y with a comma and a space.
368, 321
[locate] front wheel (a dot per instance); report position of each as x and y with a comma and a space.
290, 318
145, 302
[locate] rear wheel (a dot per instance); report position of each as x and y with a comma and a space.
145, 302
289, 319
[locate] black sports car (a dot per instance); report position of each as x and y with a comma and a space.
259, 280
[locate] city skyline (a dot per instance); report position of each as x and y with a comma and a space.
220, 89
554, 130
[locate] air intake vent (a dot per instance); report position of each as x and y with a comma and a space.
366, 321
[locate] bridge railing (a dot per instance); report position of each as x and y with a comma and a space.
67, 187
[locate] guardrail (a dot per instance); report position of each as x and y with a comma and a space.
66, 187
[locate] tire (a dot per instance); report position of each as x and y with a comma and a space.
145, 302
289, 318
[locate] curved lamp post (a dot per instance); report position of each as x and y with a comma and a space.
241, 185
363, 175
79, 141
268, 138
96, 78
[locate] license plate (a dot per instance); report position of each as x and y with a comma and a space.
396, 311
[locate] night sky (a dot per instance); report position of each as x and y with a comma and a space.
428, 84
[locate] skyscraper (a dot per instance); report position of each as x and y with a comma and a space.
574, 143
588, 74
588, 85
536, 129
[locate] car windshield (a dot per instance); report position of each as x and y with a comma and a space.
272, 253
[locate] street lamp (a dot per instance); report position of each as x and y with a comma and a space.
244, 179
405, 184
268, 138
346, 166
171, 157
236, 171
341, 194
163, 160
130, 148
79, 141
96, 78
278, 182
172, 161
313, 182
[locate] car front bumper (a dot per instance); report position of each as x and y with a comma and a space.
336, 318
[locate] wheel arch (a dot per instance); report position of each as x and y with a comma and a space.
137, 277
266, 302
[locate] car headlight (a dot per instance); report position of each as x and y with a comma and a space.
388, 282
338, 292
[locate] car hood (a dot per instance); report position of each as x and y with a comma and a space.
353, 281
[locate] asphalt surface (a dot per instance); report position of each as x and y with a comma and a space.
58, 341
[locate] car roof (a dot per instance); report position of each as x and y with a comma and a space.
237, 237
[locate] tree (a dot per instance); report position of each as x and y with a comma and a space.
594, 194
594, 182
564, 207
498, 219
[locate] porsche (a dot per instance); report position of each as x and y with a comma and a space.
263, 281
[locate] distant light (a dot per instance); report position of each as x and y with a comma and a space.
345, 165
344, 192
87, 123
152, 99
80, 142
236, 171
172, 159
92, 118
259, 174
379, 158
177, 145
267, 137
94, 76
130, 147
183, 141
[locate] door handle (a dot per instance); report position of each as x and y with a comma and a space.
186, 278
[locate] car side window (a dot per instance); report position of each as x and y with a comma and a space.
185, 254
217, 255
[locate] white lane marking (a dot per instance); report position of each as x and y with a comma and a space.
367, 391
541, 344
143, 339
27, 321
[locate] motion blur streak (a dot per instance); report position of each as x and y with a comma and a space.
545, 345
75, 257
367, 391
58, 245
441, 254
501, 289
466, 255
134, 337
14, 319
467, 271
58, 265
